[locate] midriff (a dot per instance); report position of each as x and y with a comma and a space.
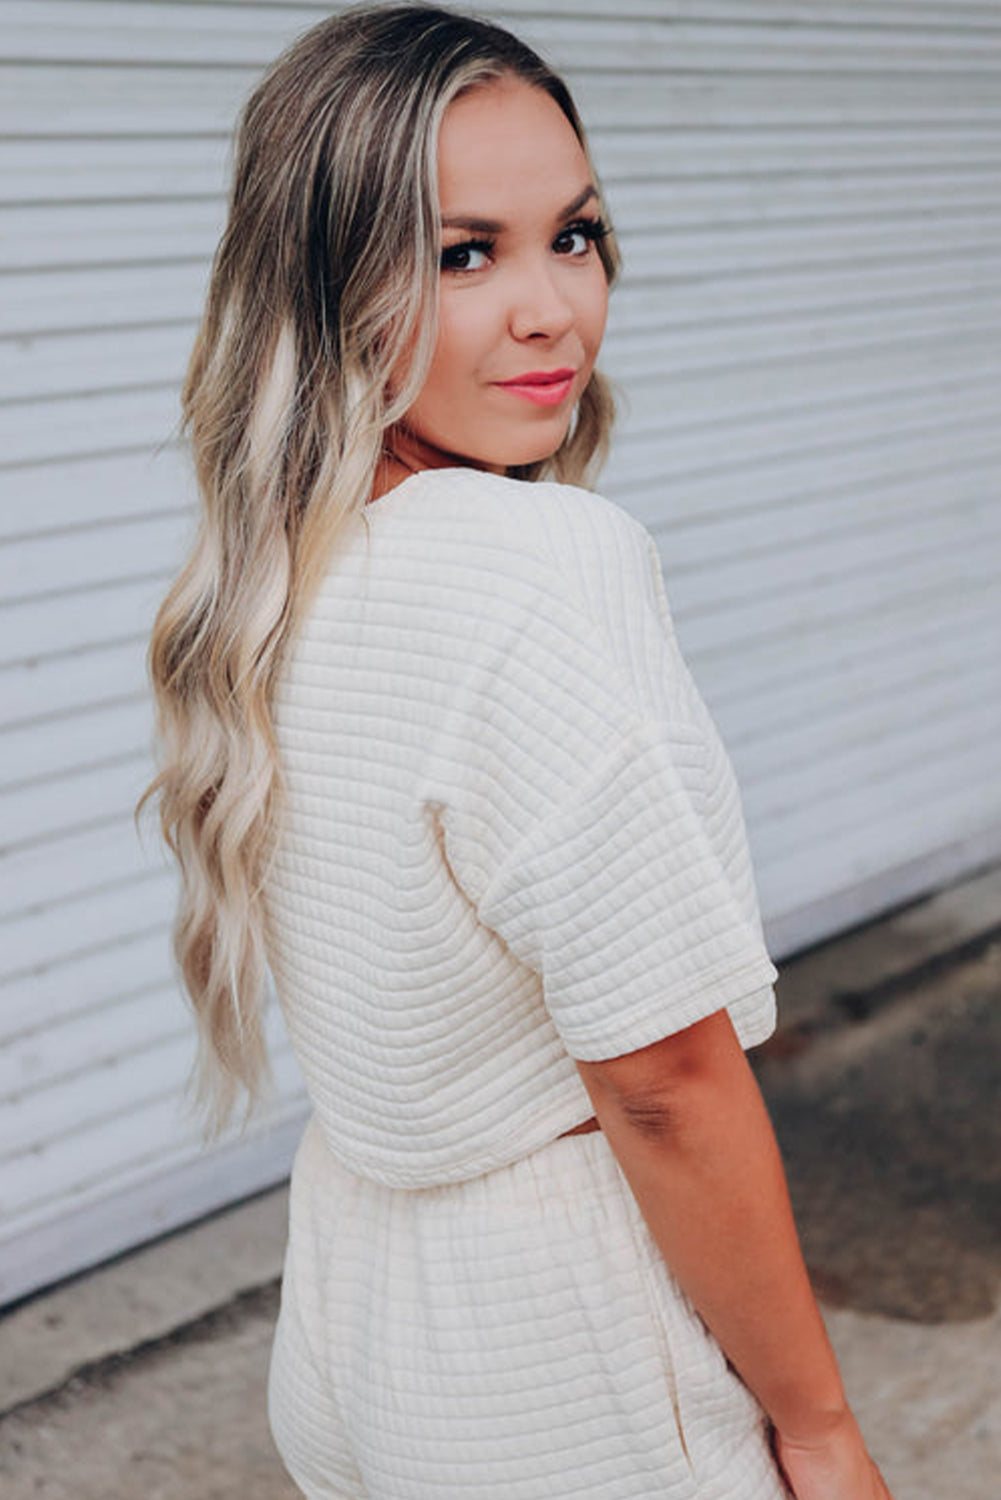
591, 1124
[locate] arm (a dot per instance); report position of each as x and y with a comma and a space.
688, 1125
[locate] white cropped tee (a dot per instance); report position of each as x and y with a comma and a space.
513, 837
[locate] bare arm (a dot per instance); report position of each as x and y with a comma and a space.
688, 1125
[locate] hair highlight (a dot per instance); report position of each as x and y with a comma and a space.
325, 277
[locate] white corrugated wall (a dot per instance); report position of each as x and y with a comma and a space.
809, 200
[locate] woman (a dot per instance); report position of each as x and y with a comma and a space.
430, 752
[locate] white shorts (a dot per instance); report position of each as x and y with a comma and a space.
514, 1337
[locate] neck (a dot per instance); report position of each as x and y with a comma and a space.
404, 453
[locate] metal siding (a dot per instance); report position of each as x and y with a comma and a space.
806, 350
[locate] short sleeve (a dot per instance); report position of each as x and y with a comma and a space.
590, 814
620, 902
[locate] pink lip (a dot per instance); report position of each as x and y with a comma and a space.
544, 387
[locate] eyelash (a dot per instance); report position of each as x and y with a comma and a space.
593, 230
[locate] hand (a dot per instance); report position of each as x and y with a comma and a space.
834, 1466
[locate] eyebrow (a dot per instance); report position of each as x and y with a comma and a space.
494, 226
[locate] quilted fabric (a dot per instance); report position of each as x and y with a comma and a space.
514, 837
516, 1337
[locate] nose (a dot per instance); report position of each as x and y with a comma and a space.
539, 307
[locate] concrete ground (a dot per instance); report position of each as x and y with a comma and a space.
145, 1379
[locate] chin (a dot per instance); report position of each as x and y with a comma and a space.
507, 450
537, 455
534, 452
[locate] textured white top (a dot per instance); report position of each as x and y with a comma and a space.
514, 837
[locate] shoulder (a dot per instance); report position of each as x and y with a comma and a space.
606, 554
497, 499
559, 536
568, 512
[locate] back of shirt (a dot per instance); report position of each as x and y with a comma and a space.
513, 837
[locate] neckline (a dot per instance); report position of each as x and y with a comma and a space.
371, 505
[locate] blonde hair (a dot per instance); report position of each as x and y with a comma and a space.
326, 273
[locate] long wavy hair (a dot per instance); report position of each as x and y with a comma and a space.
326, 273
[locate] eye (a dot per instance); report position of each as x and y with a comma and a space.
471, 255
577, 238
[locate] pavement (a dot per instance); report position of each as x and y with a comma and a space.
145, 1379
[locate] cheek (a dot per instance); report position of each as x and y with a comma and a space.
594, 311
466, 336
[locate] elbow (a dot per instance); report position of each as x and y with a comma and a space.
676, 1116
656, 1119
656, 1089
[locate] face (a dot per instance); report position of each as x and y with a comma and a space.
523, 292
